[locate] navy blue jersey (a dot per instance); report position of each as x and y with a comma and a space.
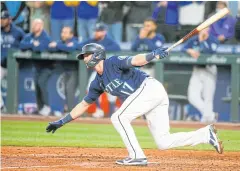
10, 39
148, 44
208, 46
117, 79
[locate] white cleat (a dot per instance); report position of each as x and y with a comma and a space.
133, 162
213, 139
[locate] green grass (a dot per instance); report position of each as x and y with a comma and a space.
25, 133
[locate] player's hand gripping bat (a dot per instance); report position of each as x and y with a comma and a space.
202, 26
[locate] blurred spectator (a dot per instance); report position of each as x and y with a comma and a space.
87, 13
223, 29
137, 13
39, 9
11, 35
19, 13
100, 37
166, 16
202, 83
237, 28
112, 15
210, 7
187, 15
68, 43
148, 39
38, 41
61, 15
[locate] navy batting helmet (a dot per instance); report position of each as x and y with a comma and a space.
98, 52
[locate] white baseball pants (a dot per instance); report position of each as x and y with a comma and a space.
152, 101
201, 91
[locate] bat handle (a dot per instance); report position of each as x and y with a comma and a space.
170, 48
174, 45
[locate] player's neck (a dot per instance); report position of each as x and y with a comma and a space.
99, 67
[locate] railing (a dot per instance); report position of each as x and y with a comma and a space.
232, 60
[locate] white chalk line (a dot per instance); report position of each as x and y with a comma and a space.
29, 167
82, 164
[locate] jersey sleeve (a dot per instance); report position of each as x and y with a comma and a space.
122, 62
94, 92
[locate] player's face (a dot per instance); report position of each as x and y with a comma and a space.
5, 22
99, 35
149, 26
66, 33
87, 57
36, 27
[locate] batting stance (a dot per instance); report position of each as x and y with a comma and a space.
142, 95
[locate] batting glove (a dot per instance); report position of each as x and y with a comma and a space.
53, 126
160, 53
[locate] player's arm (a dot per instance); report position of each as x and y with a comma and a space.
78, 110
143, 59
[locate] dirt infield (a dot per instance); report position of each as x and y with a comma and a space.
65, 158
52, 158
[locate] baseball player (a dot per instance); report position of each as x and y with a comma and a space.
142, 95
202, 83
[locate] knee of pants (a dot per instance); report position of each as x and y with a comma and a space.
114, 119
161, 142
119, 119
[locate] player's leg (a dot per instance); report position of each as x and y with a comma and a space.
195, 90
140, 102
209, 87
42, 81
158, 123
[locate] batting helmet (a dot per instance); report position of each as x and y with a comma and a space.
98, 52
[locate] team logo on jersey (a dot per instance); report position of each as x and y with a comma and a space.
214, 46
122, 57
158, 43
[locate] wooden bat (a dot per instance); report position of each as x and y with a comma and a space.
202, 26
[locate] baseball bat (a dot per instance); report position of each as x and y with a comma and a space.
202, 26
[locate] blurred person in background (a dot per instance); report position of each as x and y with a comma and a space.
101, 37
11, 36
202, 83
237, 28
138, 11
19, 13
166, 15
37, 41
68, 43
191, 14
210, 7
223, 29
61, 15
148, 39
112, 16
87, 15
39, 9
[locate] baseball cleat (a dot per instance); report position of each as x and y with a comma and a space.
133, 162
214, 141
